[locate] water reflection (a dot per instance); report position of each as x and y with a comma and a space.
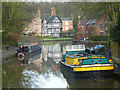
52, 52
40, 70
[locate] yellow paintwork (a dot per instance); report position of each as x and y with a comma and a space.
83, 58
97, 57
110, 61
74, 61
93, 68
71, 61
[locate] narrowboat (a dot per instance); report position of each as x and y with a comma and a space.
28, 50
78, 64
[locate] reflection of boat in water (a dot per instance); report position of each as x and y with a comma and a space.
30, 58
28, 50
75, 83
79, 65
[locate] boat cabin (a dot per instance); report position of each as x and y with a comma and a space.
23, 48
78, 55
29, 48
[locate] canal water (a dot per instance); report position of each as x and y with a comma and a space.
42, 70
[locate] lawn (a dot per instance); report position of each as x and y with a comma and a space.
56, 38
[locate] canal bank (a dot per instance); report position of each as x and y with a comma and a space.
115, 48
8, 54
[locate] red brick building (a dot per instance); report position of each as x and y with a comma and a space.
81, 28
93, 27
34, 26
67, 24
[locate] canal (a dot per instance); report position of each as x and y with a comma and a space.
42, 70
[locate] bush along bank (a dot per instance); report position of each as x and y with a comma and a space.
100, 38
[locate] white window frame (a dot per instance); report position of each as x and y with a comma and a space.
66, 23
66, 28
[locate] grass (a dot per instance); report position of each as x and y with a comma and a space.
48, 43
56, 38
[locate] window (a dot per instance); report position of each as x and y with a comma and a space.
105, 24
36, 30
49, 30
101, 33
49, 24
66, 23
82, 47
37, 20
86, 32
27, 30
101, 25
31, 31
75, 47
68, 47
66, 28
53, 30
58, 30
56, 24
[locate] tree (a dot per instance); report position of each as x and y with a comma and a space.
113, 14
15, 15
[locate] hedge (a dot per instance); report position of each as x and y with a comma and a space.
100, 38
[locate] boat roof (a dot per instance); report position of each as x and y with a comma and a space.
80, 47
24, 45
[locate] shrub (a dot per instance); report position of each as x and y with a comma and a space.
31, 34
41, 37
49, 36
99, 38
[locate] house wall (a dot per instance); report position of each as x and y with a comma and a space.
67, 25
81, 32
34, 26
93, 30
96, 29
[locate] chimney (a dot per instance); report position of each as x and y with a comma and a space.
38, 12
53, 12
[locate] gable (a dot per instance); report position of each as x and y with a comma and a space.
56, 19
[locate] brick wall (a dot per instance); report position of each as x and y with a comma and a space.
98, 28
34, 26
67, 25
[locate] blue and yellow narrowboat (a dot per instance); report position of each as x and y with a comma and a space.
78, 64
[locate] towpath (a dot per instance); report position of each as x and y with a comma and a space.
11, 50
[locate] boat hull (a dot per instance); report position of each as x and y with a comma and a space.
30, 54
88, 75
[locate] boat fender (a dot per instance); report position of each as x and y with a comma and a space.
19, 56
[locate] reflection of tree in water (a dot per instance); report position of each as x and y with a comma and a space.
12, 76
27, 74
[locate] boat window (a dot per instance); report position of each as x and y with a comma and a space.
69, 47
35, 47
95, 61
75, 47
81, 46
